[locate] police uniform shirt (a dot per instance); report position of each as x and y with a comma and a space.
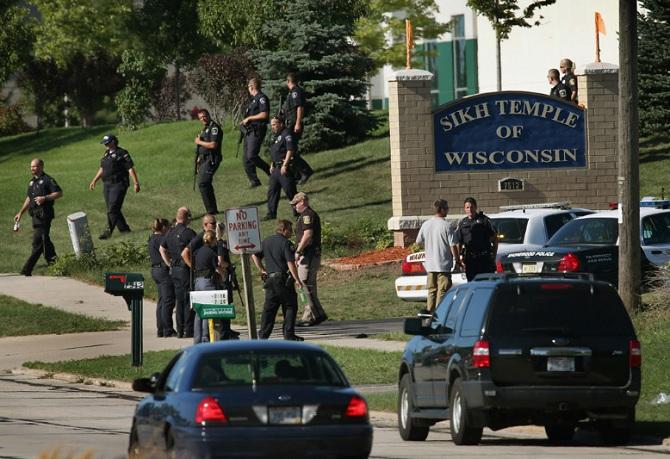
42, 186
176, 240
222, 250
476, 234
294, 99
277, 251
309, 220
258, 104
115, 165
205, 259
155, 241
561, 91
211, 133
570, 80
280, 145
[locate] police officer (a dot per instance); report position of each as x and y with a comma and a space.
206, 272
175, 241
281, 177
42, 192
558, 89
279, 286
477, 241
293, 112
115, 166
255, 122
160, 272
569, 79
208, 146
308, 258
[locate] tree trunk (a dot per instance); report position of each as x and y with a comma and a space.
628, 161
177, 77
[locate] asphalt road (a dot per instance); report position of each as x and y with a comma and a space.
38, 415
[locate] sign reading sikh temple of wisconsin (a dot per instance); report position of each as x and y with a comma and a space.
509, 130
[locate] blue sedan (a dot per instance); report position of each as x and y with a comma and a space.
250, 399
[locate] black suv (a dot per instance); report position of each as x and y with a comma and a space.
512, 349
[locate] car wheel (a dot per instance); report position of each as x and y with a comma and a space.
617, 432
560, 432
170, 450
134, 450
462, 432
409, 428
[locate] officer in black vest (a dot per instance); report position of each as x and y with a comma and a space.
255, 122
171, 249
558, 89
281, 177
280, 279
569, 79
293, 112
208, 145
42, 192
160, 272
115, 166
477, 241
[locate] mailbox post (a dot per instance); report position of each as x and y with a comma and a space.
131, 287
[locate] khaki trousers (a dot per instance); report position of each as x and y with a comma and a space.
438, 284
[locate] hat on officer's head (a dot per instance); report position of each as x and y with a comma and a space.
108, 138
298, 197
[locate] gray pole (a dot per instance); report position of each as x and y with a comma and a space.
628, 158
249, 296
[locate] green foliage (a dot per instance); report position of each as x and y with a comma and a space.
125, 253
504, 14
143, 75
364, 234
16, 37
654, 66
386, 18
11, 120
43, 84
235, 24
332, 68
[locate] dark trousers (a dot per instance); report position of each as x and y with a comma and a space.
181, 277
277, 294
166, 299
478, 265
114, 194
41, 245
276, 184
252, 157
206, 173
299, 162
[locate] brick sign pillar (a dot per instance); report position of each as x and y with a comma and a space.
411, 133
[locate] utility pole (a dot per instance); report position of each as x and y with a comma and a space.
628, 159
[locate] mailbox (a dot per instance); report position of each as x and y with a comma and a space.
131, 287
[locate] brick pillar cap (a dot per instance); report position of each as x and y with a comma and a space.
411, 74
600, 67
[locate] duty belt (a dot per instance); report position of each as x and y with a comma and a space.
207, 273
157, 265
112, 180
477, 254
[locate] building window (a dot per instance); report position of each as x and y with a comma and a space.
430, 58
460, 68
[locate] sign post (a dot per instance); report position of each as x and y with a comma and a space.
244, 238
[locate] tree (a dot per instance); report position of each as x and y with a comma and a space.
378, 23
504, 16
16, 37
44, 85
332, 68
236, 24
654, 66
143, 75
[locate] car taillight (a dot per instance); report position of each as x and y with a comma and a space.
357, 408
499, 267
409, 267
555, 286
569, 263
209, 410
634, 354
481, 357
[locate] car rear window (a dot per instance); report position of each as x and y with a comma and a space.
553, 223
510, 230
598, 231
656, 229
266, 368
557, 307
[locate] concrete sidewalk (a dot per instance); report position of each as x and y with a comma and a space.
79, 297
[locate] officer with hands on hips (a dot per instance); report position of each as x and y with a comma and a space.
294, 113
477, 241
255, 121
208, 144
278, 253
115, 166
42, 192
281, 152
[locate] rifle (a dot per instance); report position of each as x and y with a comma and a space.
195, 167
232, 280
243, 133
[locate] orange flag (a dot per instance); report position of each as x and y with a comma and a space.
409, 41
600, 24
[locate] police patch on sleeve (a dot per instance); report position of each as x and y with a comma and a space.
294, 94
215, 131
288, 138
572, 81
306, 220
562, 92
262, 100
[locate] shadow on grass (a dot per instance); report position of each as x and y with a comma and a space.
359, 206
654, 148
341, 167
660, 429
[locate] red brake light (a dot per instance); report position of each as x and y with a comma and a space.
481, 357
357, 408
569, 263
499, 267
634, 354
209, 410
555, 286
415, 267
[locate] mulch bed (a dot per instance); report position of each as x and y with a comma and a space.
372, 258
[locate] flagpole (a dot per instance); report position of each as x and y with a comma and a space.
408, 32
597, 38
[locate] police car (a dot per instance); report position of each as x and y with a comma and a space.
520, 228
590, 244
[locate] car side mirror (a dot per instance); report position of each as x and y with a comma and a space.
146, 384
415, 326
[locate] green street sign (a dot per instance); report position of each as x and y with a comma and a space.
214, 311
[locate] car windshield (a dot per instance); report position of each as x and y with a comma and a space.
656, 229
510, 230
598, 231
266, 368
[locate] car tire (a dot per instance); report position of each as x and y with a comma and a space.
170, 447
408, 427
134, 449
462, 432
560, 431
617, 432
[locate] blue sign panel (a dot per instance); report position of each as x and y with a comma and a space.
509, 130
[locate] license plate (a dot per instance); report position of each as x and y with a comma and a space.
560, 364
285, 415
529, 268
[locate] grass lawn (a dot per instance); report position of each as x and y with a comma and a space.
23, 319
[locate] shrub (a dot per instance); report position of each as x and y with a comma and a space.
11, 121
143, 75
164, 100
114, 256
